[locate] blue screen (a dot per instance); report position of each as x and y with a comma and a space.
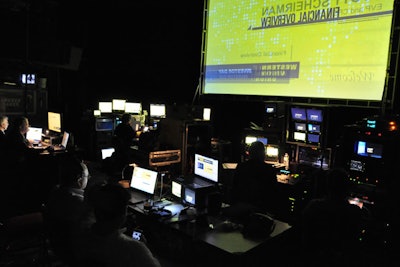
298, 113
314, 115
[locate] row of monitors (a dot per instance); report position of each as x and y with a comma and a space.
306, 114
121, 105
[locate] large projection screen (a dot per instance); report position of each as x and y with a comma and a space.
331, 49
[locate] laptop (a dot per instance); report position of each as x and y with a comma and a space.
63, 144
205, 171
34, 135
142, 185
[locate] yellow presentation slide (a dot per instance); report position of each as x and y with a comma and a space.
335, 49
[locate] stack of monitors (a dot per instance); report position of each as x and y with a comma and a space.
306, 125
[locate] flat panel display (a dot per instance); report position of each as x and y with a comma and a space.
206, 167
54, 121
144, 180
298, 113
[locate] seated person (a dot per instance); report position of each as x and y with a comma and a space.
66, 212
106, 244
254, 184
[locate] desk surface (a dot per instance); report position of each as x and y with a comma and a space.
198, 228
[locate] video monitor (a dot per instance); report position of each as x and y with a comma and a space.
105, 107
368, 149
270, 108
314, 115
299, 136
133, 107
315, 128
28, 78
313, 138
300, 126
158, 111
189, 196
206, 114
251, 139
54, 121
118, 104
176, 189
298, 113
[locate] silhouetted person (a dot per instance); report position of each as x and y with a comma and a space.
123, 139
67, 214
106, 244
19, 148
254, 182
331, 226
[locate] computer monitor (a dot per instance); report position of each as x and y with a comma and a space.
206, 167
118, 105
133, 107
272, 153
158, 111
54, 121
34, 134
105, 107
144, 180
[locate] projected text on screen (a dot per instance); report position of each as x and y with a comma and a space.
335, 49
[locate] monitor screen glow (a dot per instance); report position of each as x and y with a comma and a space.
157, 110
133, 107
260, 48
54, 121
272, 151
299, 136
118, 104
34, 134
176, 189
206, 167
105, 107
314, 115
144, 180
298, 113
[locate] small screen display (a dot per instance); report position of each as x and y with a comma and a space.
300, 126
298, 113
313, 138
368, 149
299, 136
356, 165
316, 128
314, 115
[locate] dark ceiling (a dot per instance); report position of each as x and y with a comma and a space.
130, 49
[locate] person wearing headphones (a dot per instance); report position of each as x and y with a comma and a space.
67, 214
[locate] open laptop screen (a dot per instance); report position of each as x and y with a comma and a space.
64, 140
144, 180
34, 134
206, 167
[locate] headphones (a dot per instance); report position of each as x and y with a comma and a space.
84, 177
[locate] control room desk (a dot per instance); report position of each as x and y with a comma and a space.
194, 243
